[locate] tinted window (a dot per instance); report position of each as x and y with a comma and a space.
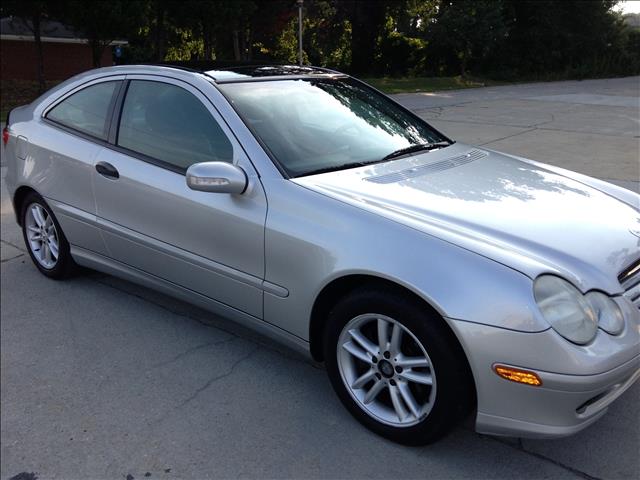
310, 125
86, 110
170, 124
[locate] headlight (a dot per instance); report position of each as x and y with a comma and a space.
609, 315
566, 309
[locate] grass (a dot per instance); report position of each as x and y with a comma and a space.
425, 84
14, 93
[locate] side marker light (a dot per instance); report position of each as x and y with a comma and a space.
518, 375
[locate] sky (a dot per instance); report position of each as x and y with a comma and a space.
629, 7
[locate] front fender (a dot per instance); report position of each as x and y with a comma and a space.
312, 240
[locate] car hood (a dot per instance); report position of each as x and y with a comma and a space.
512, 211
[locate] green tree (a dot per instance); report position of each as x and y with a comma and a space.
470, 30
367, 20
159, 14
327, 34
568, 36
102, 22
273, 30
402, 48
221, 25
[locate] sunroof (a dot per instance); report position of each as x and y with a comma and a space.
239, 73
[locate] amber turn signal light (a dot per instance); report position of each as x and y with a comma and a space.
517, 375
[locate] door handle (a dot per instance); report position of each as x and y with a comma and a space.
107, 170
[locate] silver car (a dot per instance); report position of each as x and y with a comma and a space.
433, 278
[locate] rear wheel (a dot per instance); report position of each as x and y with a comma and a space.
44, 239
393, 365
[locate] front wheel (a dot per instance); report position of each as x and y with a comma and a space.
395, 366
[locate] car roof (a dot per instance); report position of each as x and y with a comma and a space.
249, 73
267, 72
233, 74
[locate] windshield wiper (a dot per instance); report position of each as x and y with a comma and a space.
397, 153
415, 148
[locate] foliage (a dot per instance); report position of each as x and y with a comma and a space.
573, 37
502, 39
327, 35
399, 54
469, 31
287, 43
101, 22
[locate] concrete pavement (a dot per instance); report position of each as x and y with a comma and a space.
104, 379
590, 126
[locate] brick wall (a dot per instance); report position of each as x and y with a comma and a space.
61, 60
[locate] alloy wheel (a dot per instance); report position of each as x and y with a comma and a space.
386, 369
42, 236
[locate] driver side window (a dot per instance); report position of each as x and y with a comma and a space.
168, 123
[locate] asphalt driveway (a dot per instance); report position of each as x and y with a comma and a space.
104, 379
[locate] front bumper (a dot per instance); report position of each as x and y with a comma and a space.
565, 403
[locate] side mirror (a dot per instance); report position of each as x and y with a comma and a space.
217, 177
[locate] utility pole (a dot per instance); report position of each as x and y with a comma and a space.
300, 2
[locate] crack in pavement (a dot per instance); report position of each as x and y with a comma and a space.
508, 136
196, 393
439, 111
423, 109
9, 244
191, 350
216, 378
205, 386
14, 246
12, 258
553, 118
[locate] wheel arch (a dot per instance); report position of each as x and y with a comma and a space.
18, 199
339, 287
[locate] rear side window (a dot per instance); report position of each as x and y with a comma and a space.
87, 110
170, 124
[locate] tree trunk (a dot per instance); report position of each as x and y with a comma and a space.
249, 45
35, 20
243, 45
236, 45
367, 20
208, 42
159, 35
97, 49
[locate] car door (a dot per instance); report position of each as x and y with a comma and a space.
209, 243
75, 130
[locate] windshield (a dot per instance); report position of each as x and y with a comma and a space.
315, 125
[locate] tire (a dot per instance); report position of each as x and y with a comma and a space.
57, 264
433, 370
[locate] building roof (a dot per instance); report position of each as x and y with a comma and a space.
48, 28
16, 28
